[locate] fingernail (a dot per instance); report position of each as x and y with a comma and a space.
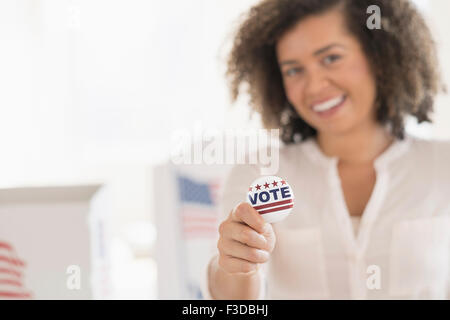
264, 254
262, 238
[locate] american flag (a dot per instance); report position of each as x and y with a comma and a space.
11, 274
198, 207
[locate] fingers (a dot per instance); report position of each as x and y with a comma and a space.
238, 250
246, 240
236, 265
243, 234
245, 213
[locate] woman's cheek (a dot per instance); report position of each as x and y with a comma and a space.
361, 81
294, 94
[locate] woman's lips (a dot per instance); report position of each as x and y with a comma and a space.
330, 112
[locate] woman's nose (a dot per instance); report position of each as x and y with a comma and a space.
316, 83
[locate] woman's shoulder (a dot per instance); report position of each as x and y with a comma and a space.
435, 148
436, 154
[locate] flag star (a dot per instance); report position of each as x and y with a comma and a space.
275, 183
250, 189
283, 182
266, 185
258, 187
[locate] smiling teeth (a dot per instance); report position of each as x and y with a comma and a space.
328, 104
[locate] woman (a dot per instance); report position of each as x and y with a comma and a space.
371, 216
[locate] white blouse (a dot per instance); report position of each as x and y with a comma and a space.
400, 249
355, 224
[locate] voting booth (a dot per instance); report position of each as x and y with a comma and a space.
57, 236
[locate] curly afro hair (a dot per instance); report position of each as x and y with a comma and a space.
402, 55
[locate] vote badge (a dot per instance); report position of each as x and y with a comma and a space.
272, 197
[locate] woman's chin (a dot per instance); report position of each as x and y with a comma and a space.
335, 129
341, 125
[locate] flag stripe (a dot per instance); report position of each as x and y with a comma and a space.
10, 271
14, 261
11, 286
10, 282
6, 246
276, 209
6, 294
279, 203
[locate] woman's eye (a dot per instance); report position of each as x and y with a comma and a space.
331, 58
292, 71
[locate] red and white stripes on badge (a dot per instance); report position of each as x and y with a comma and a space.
274, 207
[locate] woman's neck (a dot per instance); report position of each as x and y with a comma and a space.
356, 147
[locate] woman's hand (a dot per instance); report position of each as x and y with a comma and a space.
245, 240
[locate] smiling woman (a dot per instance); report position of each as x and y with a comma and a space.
368, 195
333, 88
400, 57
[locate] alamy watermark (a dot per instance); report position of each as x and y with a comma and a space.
374, 21
373, 281
211, 146
73, 281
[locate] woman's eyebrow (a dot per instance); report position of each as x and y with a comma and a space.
316, 53
287, 62
328, 47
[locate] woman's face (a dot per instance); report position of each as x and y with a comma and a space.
326, 75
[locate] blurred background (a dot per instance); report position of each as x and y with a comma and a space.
91, 92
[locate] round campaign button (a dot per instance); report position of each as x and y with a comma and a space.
272, 197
